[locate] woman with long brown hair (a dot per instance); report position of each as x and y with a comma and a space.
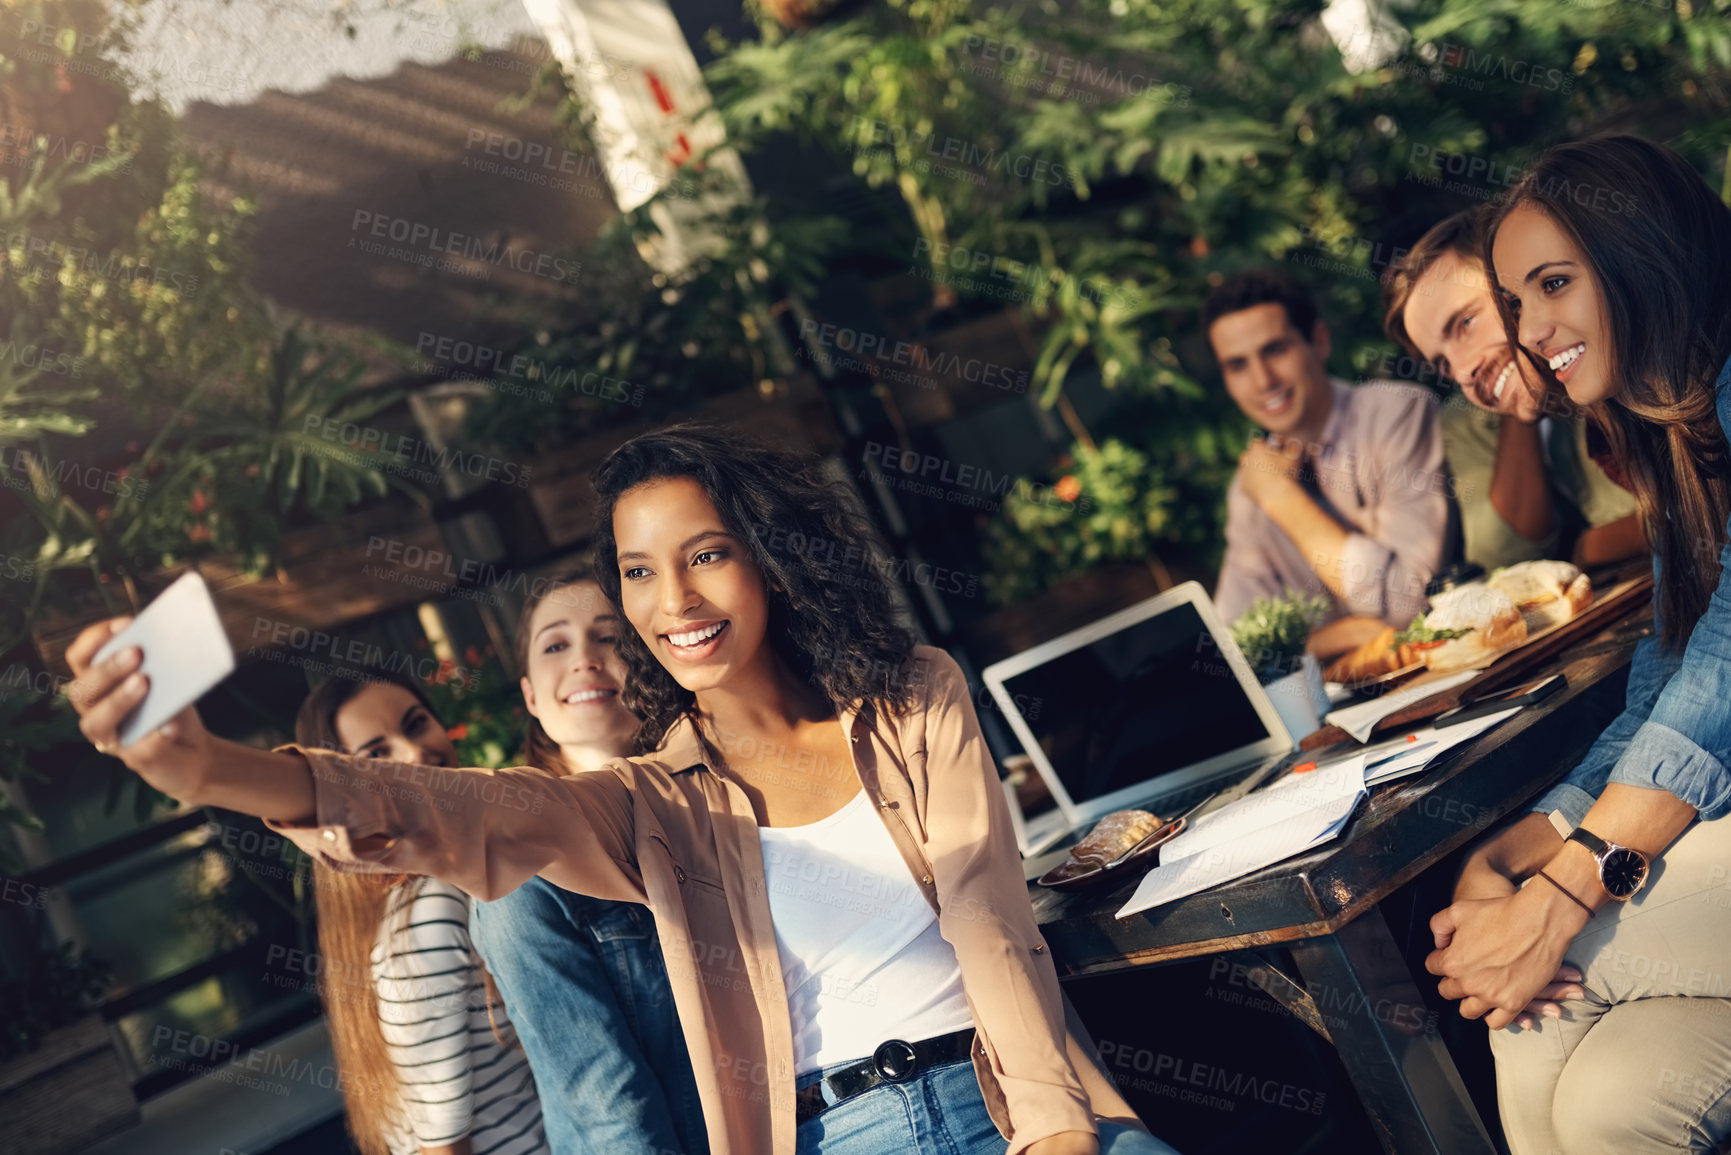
1591, 934
429, 1064
583, 977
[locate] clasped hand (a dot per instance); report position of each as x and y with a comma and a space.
1502, 957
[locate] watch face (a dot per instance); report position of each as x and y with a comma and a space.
1622, 872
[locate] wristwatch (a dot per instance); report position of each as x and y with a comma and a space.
1622, 869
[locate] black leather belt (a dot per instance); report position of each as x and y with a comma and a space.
893, 1062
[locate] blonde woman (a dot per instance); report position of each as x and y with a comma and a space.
583, 977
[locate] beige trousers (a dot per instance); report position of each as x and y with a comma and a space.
1643, 1063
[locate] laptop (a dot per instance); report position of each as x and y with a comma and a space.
1152, 707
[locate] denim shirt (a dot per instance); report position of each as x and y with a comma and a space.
1675, 729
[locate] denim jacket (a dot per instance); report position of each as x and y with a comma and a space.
1675, 729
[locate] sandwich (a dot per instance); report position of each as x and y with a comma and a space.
1465, 626
1548, 593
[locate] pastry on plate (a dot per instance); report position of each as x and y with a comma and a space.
1375, 658
1111, 837
1547, 593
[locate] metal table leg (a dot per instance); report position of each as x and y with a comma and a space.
1388, 1042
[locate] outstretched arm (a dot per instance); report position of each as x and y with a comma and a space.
182, 759
484, 831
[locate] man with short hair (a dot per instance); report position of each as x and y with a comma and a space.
1347, 496
1527, 486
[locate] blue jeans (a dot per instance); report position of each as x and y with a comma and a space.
586, 988
939, 1112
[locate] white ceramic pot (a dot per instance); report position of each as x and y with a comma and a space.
1300, 699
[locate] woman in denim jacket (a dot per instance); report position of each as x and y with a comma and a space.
584, 978
1592, 935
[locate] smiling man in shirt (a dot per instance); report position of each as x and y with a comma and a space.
1527, 484
1347, 497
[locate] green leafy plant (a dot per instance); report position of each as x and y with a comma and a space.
1273, 631
153, 409
1112, 505
1157, 486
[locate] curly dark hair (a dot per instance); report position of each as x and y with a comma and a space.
833, 606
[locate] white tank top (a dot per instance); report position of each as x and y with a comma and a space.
860, 949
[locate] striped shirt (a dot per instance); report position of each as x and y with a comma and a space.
455, 1078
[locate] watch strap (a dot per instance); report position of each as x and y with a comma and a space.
1588, 839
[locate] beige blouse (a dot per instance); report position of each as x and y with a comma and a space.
673, 831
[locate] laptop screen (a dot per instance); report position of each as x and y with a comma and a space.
1153, 697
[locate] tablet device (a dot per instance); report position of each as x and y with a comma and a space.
185, 649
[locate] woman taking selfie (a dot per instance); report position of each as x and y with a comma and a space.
582, 977
814, 819
429, 1064
1597, 924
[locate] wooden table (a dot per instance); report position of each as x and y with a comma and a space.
1353, 985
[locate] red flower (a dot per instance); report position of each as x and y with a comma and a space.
199, 533
1068, 488
199, 501
472, 656
458, 732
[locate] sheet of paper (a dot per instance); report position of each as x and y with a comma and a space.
1185, 876
1361, 719
1433, 742
1280, 802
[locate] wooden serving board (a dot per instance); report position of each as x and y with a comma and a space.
1508, 667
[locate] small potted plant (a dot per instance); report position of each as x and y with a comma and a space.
1272, 634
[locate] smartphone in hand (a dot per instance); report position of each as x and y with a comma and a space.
185, 649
